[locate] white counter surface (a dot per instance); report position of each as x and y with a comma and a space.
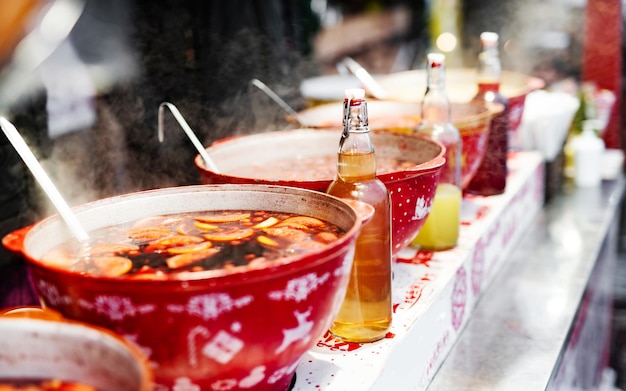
434, 294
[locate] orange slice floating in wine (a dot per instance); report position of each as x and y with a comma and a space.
222, 218
300, 221
264, 240
270, 221
205, 226
172, 241
229, 234
188, 228
190, 248
112, 266
182, 260
325, 237
148, 233
289, 234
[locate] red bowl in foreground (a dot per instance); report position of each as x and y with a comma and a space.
239, 330
306, 158
41, 345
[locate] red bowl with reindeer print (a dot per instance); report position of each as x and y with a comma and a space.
240, 326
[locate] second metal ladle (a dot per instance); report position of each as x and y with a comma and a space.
208, 162
365, 77
268, 91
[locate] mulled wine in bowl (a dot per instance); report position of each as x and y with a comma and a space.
220, 285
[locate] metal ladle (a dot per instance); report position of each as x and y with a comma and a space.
18, 77
364, 77
268, 91
44, 181
208, 162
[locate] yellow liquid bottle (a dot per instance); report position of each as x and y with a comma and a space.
366, 311
441, 228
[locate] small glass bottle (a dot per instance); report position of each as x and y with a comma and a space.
490, 179
366, 311
441, 228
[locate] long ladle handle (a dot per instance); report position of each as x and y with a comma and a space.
49, 188
365, 77
208, 162
268, 91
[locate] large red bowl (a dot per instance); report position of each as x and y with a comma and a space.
40, 344
412, 188
241, 330
471, 120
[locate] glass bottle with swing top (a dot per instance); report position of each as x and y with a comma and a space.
366, 311
441, 228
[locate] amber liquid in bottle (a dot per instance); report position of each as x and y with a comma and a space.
366, 312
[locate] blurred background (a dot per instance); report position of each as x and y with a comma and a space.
91, 106
86, 99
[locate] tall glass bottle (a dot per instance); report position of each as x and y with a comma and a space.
441, 228
365, 314
490, 179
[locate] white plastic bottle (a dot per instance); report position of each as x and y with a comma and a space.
588, 150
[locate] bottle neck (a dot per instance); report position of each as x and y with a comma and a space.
489, 68
356, 151
355, 116
355, 127
435, 105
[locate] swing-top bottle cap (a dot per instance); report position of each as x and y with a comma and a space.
436, 59
489, 37
355, 93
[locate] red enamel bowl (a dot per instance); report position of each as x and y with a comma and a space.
40, 344
471, 120
245, 328
461, 87
285, 158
